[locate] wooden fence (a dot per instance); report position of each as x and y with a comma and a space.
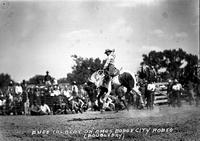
161, 93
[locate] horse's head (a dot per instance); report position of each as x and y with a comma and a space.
97, 78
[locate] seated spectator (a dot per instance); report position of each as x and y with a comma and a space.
35, 109
45, 110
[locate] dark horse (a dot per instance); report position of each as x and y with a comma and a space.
92, 93
124, 79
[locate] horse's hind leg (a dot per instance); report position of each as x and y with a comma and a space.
125, 103
100, 105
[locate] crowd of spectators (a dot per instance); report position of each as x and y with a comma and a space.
50, 98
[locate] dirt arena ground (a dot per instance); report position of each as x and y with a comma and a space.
162, 123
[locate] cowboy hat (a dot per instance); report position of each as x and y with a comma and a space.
107, 50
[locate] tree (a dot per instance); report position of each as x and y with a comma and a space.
83, 68
36, 80
172, 60
4, 81
62, 80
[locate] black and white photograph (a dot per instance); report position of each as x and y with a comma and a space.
92, 70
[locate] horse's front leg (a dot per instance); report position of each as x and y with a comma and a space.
106, 95
99, 103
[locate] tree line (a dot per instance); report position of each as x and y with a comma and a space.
175, 63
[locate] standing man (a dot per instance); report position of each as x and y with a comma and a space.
169, 92
74, 89
47, 79
198, 92
24, 85
25, 98
75, 96
150, 95
191, 88
176, 92
11, 89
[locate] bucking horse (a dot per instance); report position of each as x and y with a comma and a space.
124, 79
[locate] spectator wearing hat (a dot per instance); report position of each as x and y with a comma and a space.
151, 87
74, 89
47, 79
11, 89
176, 92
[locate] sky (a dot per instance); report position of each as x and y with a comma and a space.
41, 35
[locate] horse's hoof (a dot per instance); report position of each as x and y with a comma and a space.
116, 111
127, 109
102, 111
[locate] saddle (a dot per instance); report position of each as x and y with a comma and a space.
112, 71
